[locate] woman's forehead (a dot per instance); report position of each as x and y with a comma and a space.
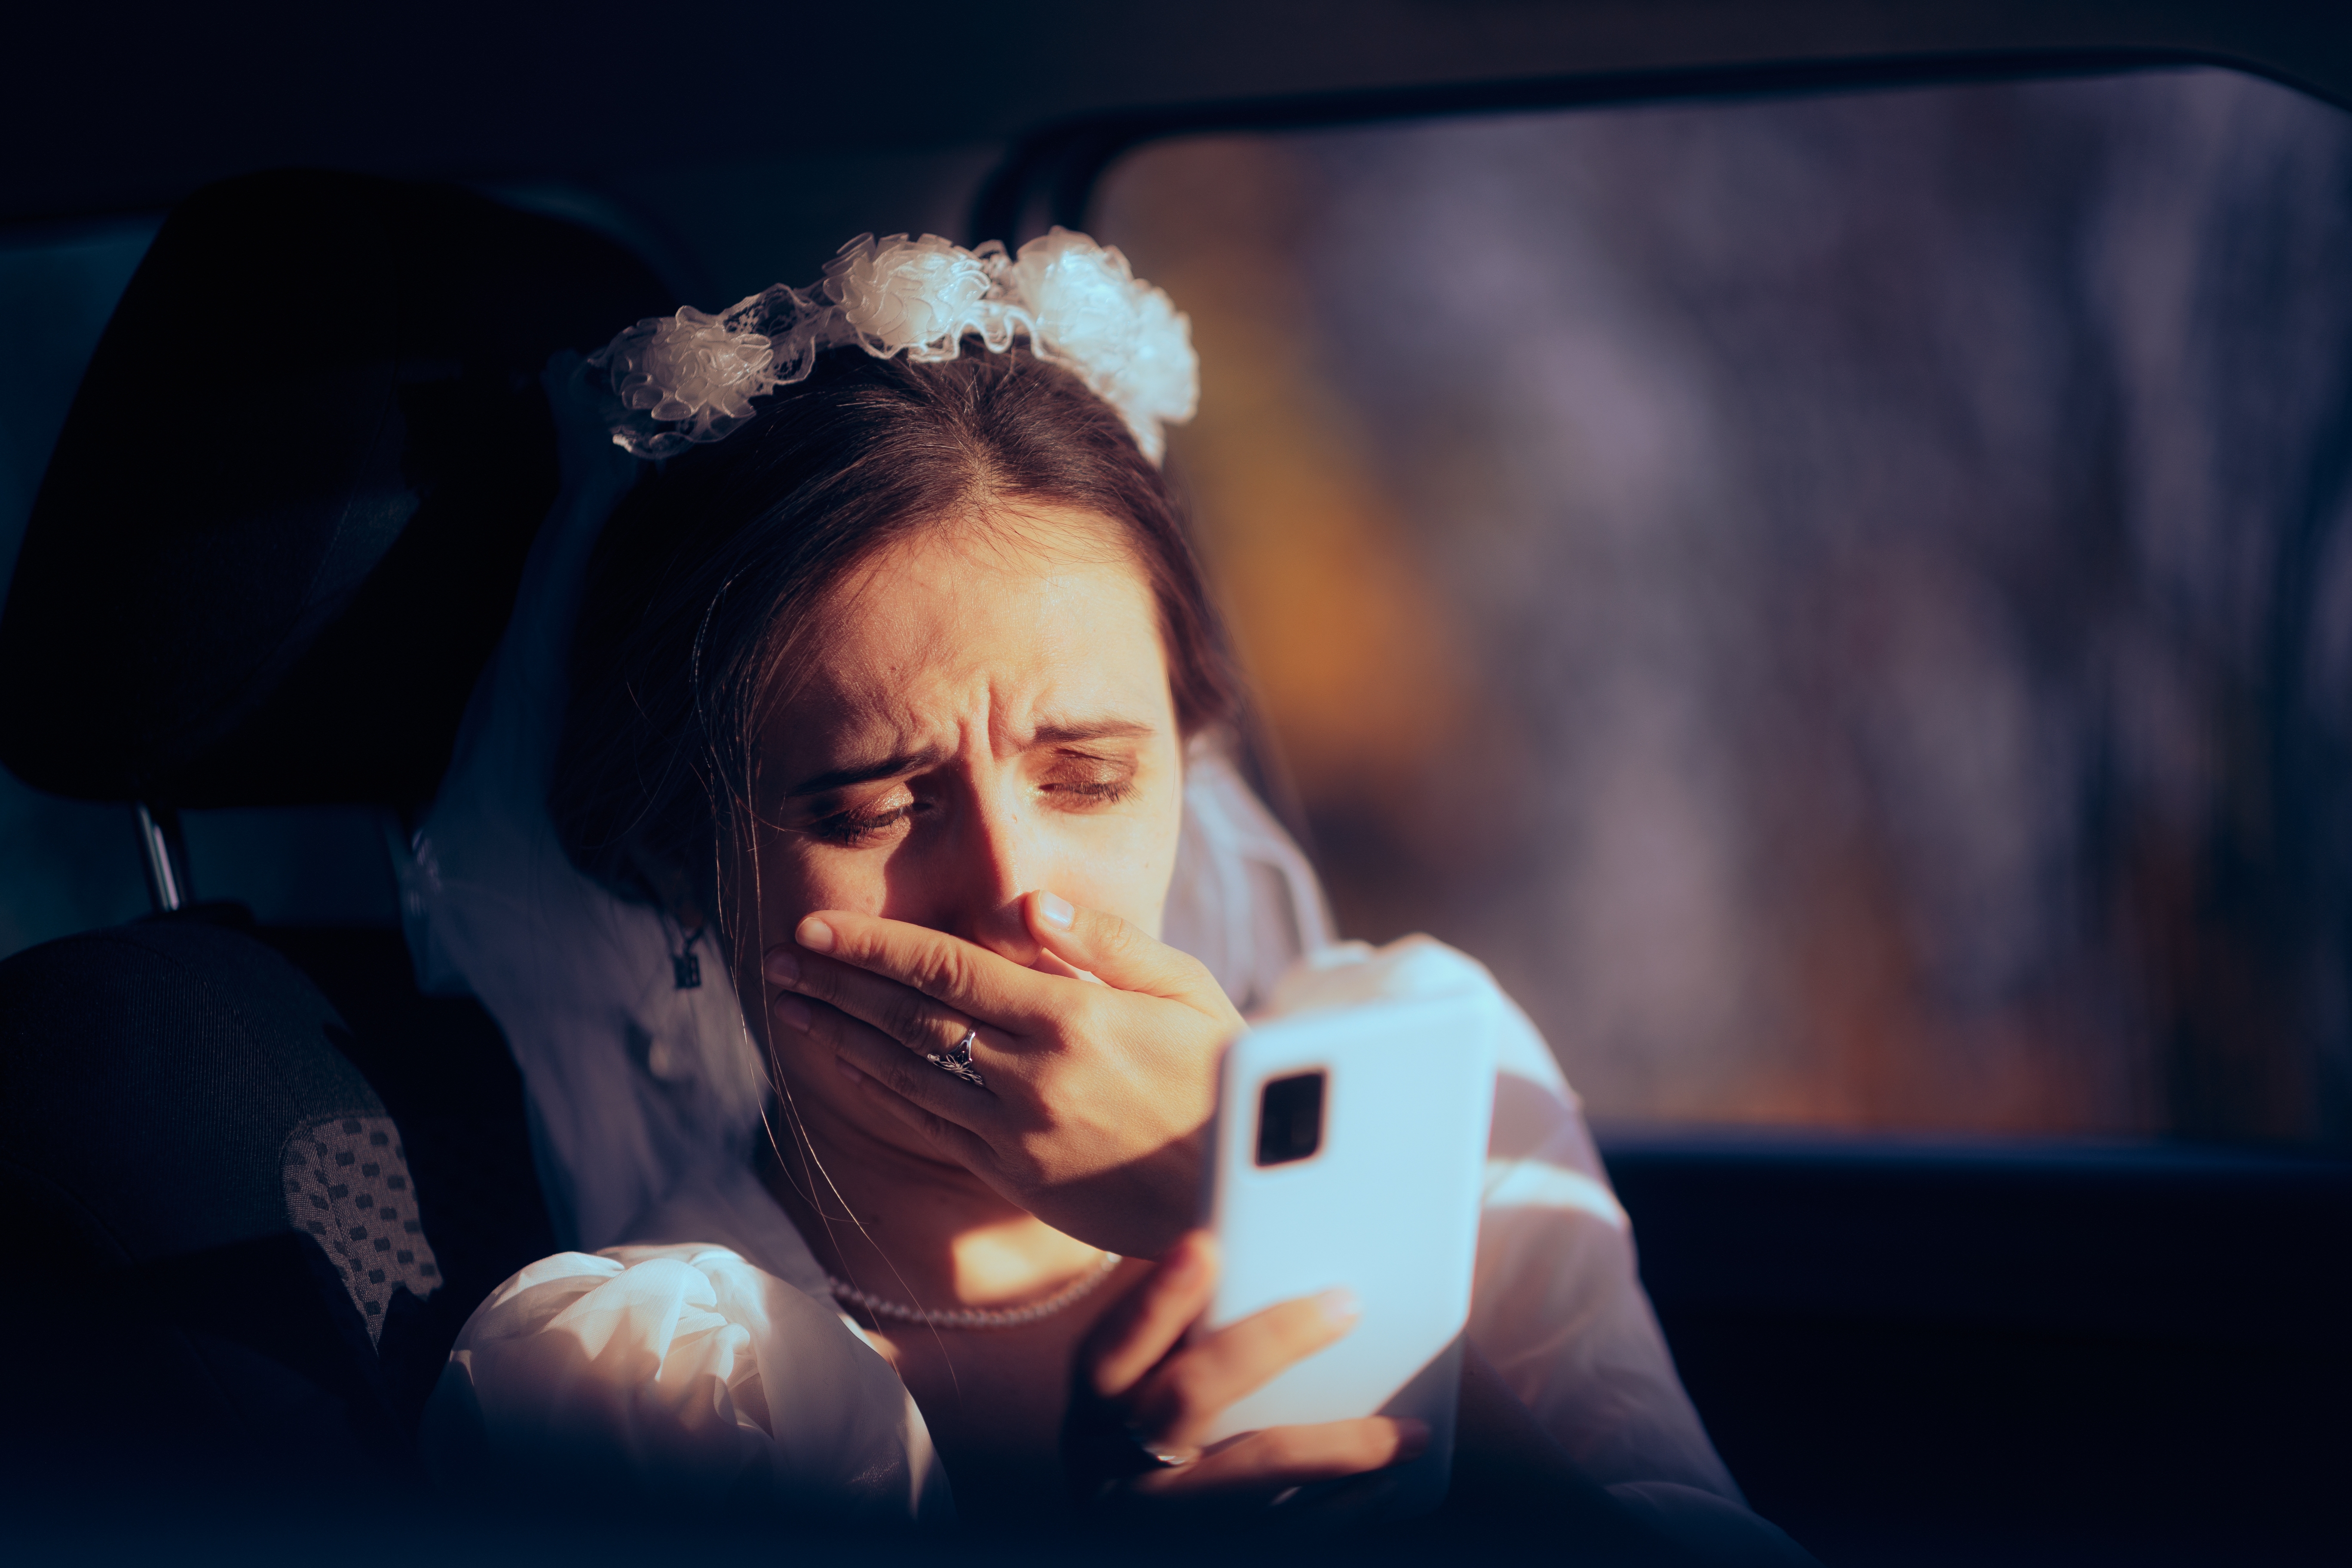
1039, 628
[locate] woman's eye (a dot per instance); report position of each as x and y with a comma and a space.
1096, 791
857, 829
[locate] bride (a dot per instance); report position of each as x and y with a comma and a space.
887, 698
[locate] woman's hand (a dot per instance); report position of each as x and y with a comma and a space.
1096, 1094
1140, 1408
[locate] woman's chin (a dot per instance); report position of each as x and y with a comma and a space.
852, 1127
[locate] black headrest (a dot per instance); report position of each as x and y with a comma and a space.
284, 524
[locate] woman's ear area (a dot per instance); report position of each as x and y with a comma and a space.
669, 887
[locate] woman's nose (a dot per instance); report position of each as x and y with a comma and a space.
993, 864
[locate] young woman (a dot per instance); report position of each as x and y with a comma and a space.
891, 702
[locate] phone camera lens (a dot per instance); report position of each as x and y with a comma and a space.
1290, 1118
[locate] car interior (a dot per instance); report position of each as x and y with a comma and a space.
1869, 489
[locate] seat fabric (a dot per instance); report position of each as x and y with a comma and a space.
167, 1310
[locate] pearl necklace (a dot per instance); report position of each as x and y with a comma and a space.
977, 1317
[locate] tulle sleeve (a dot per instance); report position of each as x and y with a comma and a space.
675, 1376
1556, 1305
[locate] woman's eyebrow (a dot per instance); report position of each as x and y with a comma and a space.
1105, 729
1055, 732
867, 772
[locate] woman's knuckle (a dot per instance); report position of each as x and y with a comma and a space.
1049, 1020
937, 972
1081, 1017
1182, 1391
904, 1018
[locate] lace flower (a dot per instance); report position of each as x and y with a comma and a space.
692, 370
913, 294
1125, 338
691, 377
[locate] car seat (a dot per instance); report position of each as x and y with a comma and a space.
257, 1179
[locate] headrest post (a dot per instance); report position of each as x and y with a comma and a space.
166, 857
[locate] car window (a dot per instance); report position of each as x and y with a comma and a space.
1845, 603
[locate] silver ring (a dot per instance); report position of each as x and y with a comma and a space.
956, 1060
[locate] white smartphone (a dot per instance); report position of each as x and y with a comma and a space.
1348, 1149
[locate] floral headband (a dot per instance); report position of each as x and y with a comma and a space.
687, 378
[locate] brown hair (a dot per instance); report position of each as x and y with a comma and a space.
700, 588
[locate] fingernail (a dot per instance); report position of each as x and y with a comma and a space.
841, 1064
815, 935
792, 1012
1413, 1438
1338, 1306
1167, 1453
782, 967
1055, 910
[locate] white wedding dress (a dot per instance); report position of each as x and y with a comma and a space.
702, 1358
686, 1350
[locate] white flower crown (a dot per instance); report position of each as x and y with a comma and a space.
691, 377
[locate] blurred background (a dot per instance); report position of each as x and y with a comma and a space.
1844, 602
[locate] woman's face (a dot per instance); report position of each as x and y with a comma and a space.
985, 711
